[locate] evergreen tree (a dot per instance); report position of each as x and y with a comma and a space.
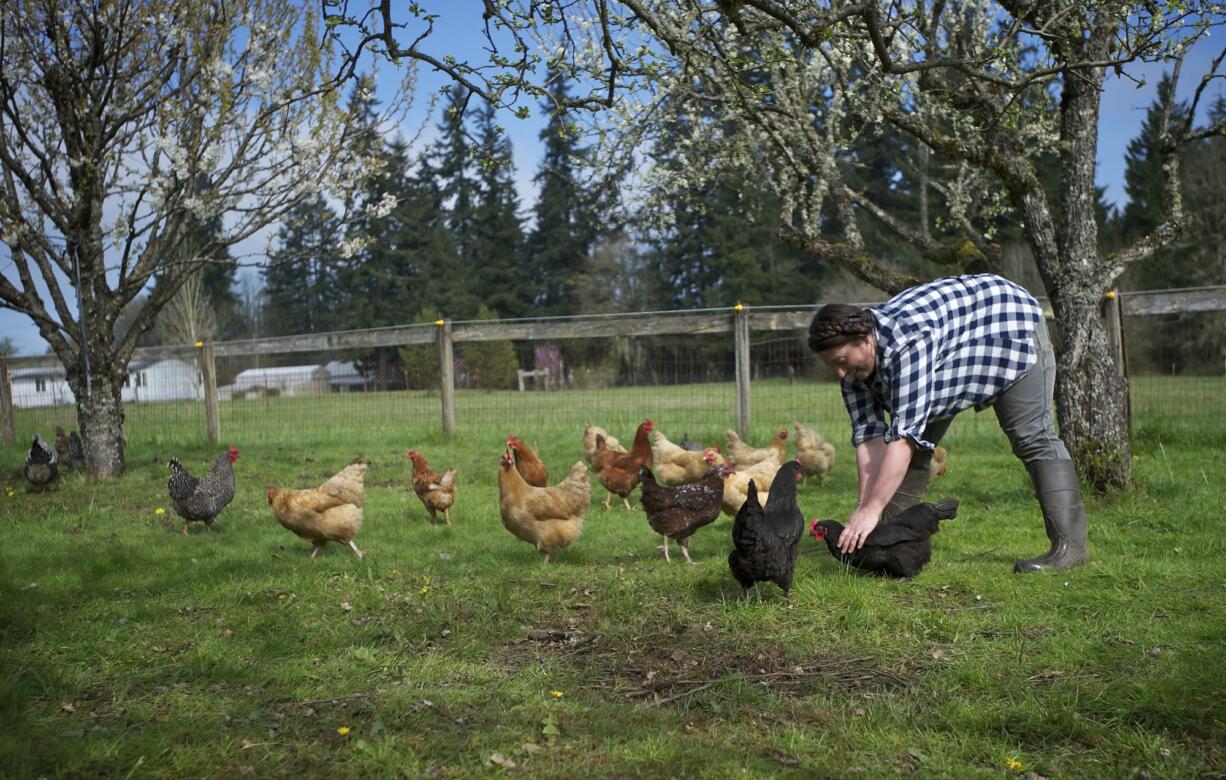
453, 168
498, 237
566, 226
300, 282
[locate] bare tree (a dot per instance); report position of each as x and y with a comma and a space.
782, 91
125, 123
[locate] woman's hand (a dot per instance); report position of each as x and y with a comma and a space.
859, 525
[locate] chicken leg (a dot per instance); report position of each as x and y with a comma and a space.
685, 549
356, 551
664, 549
318, 546
607, 499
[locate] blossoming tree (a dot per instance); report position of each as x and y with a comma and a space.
125, 124
982, 91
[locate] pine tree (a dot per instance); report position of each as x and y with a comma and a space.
453, 168
300, 282
498, 236
566, 226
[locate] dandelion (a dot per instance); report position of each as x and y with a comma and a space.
8, 491
1012, 764
556, 694
343, 731
425, 586
159, 511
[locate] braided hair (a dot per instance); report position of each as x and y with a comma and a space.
836, 324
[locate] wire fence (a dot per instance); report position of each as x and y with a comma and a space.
680, 369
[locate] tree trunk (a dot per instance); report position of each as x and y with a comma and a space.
1091, 392
100, 417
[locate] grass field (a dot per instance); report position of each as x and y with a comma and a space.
127, 650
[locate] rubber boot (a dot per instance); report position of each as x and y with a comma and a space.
1064, 518
909, 493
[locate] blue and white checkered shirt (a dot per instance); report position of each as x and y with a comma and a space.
942, 347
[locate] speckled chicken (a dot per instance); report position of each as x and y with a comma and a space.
677, 512
42, 464
201, 499
766, 538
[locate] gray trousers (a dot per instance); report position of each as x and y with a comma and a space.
1025, 411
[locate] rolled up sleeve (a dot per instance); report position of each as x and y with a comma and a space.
867, 421
911, 392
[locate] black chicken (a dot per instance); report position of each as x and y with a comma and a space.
42, 463
202, 499
899, 548
678, 512
766, 538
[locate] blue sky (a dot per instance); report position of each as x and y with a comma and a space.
458, 29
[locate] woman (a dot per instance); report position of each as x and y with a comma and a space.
927, 354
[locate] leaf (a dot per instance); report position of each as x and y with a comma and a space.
499, 759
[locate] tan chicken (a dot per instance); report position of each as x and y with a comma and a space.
589, 442
548, 518
939, 463
436, 491
527, 462
678, 466
815, 454
331, 512
742, 455
736, 486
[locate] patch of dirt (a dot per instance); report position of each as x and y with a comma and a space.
676, 663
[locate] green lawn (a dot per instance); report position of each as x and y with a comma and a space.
129, 650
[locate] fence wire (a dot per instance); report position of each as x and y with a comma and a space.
686, 383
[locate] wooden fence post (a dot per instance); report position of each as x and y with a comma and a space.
1114, 323
446, 375
6, 404
208, 368
741, 341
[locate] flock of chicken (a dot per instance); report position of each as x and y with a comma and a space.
684, 487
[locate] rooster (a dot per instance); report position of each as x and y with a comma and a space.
742, 455
202, 499
678, 512
331, 512
42, 464
815, 454
899, 548
548, 518
765, 538
436, 491
619, 473
527, 463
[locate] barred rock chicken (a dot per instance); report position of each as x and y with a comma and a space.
816, 455
765, 538
736, 486
677, 512
675, 465
527, 463
589, 441
548, 518
331, 512
620, 473
742, 455
202, 499
899, 548
42, 464
436, 491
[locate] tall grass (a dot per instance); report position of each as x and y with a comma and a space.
127, 649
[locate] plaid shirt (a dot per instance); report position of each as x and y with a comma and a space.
942, 347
